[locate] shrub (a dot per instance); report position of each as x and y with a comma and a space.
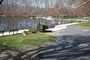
25, 32
44, 27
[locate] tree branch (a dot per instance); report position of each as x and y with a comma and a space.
1, 2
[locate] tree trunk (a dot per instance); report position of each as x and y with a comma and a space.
1, 2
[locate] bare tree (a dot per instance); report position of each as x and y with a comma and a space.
30, 7
83, 9
1, 2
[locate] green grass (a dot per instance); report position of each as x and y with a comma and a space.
72, 18
59, 19
20, 41
82, 25
87, 18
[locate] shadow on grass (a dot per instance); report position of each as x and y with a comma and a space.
68, 48
18, 55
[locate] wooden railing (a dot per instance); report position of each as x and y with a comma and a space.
13, 30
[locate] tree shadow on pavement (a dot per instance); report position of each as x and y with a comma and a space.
68, 48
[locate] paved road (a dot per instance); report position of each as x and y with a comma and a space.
73, 44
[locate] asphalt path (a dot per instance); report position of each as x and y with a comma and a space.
73, 44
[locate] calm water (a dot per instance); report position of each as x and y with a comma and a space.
8, 23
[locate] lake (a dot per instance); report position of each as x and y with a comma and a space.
8, 23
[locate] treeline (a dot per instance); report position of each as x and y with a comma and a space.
25, 7
35, 8
60, 8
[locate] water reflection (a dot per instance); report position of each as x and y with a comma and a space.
8, 23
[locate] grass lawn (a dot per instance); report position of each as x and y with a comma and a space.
82, 25
72, 18
68, 18
20, 41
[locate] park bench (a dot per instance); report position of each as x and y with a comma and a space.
2, 32
13, 30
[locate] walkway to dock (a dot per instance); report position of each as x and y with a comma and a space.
60, 27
